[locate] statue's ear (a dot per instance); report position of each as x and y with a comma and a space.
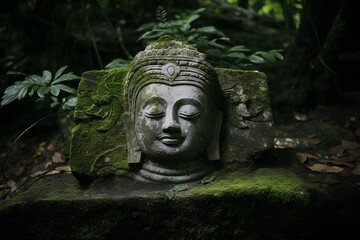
133, 148
213, 148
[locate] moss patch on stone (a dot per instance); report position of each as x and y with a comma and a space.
98, 145
254, 84
268, 204
280, 184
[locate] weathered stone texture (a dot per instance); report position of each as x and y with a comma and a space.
99, 140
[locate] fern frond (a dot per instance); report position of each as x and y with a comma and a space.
161, 14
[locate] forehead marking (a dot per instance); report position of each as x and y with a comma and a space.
170, 70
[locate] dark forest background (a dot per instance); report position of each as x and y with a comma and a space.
319, 40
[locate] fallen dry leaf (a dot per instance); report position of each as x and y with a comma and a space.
336, 150
300, 116
40, 149
40, 167
313, 141
50, 147
318, 167
350, 145
12, 185
303, 157
340, 163
38, 173
52, 172
56, 158
65, 168
346, 159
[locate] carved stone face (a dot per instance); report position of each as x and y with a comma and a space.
173, 99
173, 123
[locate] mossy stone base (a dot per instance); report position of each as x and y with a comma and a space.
99, 146
269, 203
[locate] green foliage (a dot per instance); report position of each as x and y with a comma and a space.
47, 86
209, 40
117, 62
272, 8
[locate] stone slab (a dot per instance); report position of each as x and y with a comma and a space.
268, 203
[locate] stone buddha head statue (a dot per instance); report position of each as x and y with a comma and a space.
172, 102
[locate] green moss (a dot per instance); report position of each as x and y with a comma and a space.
267, 204
254, 84
168, 41
280, 184
98, 145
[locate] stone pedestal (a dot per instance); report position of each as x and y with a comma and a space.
269, 203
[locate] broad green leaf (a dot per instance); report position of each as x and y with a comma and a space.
192, 18
267, 56
46, 77
207, 179
212, 30
33, 88
55, 90
151, 35
36, 79
22, 93
239, 48
179, 188
185, 27
66, 77
208, 29
6, 99
59, 72
237, 55
215, 44
170, 195
70, 103
146, 26
54, 104
117, 62
11, 93
12, 90
256, 59
277, 54
42, 91
65, 88
199, 10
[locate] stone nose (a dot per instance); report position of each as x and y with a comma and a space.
171, 123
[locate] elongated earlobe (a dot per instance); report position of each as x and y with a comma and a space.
133, 148
213, 149
134, 153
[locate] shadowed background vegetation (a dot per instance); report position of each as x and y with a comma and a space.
318, 40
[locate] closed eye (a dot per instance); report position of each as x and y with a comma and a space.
189, 111
154, 115
189, 116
